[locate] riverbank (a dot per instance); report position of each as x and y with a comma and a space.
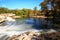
35, 34
17, 16
24, 16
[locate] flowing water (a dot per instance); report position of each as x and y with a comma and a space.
18, 25
10, 28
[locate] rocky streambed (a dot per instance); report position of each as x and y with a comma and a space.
49, 35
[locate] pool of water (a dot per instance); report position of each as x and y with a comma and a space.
21, 24
18, 25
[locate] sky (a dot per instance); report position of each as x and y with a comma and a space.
20, 4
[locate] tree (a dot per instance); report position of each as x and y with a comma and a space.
35, 11
18, 12
3, 10
53, 11
24, 11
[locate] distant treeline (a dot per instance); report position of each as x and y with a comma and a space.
19, 12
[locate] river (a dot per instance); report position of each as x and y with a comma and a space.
18, 26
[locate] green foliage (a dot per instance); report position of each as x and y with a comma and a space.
3, 10
54, 10
24, 11
20, 12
